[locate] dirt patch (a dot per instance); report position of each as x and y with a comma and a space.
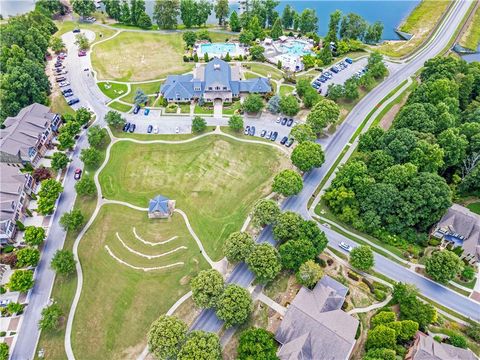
133, 352
388, 118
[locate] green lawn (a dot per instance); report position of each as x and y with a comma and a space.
471, 38
100, 31
174, 137
119, 106
265, 70
118, 303
134, 56
58, 104
286, 90
230, 109
112, 90
185, 108
207, 110
474, 207
215, 180
148, 88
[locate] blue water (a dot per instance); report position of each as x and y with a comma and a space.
473, 57
15, 7
218, 48
296, 48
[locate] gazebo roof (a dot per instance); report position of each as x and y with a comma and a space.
158, 203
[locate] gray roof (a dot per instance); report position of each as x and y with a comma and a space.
217, 73
12, 183
314, 321
464, 222
426, 348
23, 131
158, 203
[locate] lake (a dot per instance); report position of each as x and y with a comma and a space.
15, 7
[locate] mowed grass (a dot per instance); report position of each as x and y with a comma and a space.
286, 90
118, 303
474, 207
120, 107
265, 70
148, 88
419, 23
112, 90
214, 179
133, 56
471, 38
100, 31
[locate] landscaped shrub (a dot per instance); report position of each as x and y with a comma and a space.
329, 262
369, 284
8, 249
434, 242
20, 225
353, 276
2, 290
171, 108
379, 295
321, 262
3, 333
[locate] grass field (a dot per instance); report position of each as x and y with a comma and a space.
474, 207
58, 104
471, 38
112, 90
119, 303
265, 70
119, 106
133, 56
215, 180
100, 31
419, 23
286, 90
148, 88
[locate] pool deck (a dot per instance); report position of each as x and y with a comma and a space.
287, 51
220, 50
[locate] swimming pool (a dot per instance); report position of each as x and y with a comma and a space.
295, 47
219, 49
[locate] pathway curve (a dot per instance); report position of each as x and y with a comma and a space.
371, 307
271, 303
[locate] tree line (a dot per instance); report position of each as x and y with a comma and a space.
128, 12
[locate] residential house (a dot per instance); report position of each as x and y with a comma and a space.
461, 227
315, 326
27, 136
216, 80
426, 348
160, 207
15, 187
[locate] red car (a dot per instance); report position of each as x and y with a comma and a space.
82, 53
78, 174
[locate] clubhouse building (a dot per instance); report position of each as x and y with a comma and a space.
216, 80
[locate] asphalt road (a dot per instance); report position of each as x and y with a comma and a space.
208, 321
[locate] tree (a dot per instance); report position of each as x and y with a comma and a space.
325, 55
289, 105
165, 336
324, 112
361, 258
198, 124
458, 340
287, 182
190, 37
256, 28
72, 128
238, 246
235, 122
382, 318
294, 253
288, 226
91, 157
34, 235
82, 42
41, 173
83, 8
443, 266
407, 330
302, 133
454, 146
21, 280
235, 22
97, 136
373, 33
333, 27
188, 10
203, 11
144, 21
274, 104
246, 37
310, 98
335, 92
350, 89
28, 257
125, 16
253, 103
256, 343
72, 220
59, 161
206, 287
257, 53
376, 66
50, 319
307, 155
308, 62
381, 337
265, 212
277, 30
66, 141
309, 273
380, 353
308, 21
140, 97
288, 16
166, 12
114, 119
353, 27
221, 11
83, 116
63, 262
56, 44
201, 345
234, 305
4, 351
264, 262
86, 186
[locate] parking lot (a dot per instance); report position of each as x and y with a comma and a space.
342, 76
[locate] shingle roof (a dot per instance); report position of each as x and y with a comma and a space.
314, 321
255, 85
158, 203
428, 349
11, 186
217, 72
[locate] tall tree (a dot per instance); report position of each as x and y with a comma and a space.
277, 30
201, 345
221, 11
206, 287
165, 336
307, 155
333, 27
308, 21
257, 343
203, 11
443, 266
264, 262
234, 305
165, 13
188, 12
234, 22
83, 8
287, 17
361, 258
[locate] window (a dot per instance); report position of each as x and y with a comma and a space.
224, 88
217, 88
210, 88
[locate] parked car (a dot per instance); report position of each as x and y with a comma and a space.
290, 142
289, 122
284, 121
60, 78
126, 126
279, 119
177, 130
348, 60
284, 140
247, 130
269, 135
4, 302
64, 83
252, 131
274, 136
73, 101
132, 128
263, 133
68, 94
345, 246
136, 109
146, 112
155, 129
149, 129
64, 91
82, 53
57, 65
78, 174
76, 30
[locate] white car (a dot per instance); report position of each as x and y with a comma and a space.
345, 246
4, 303
64, 83
177, 130
155, 129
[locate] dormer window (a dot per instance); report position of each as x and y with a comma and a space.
216, 66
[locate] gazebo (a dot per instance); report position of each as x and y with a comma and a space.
160, 207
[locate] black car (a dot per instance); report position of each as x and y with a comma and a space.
290, 142
252, 131
77, 30
66, 91
274, 136
284, 140
289, 122
263, 133
247, 130
284, 121
136, 109
132, 128
57, 65
126, 126
73, 101
60, 78
149, 129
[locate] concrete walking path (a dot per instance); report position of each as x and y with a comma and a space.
371, 307
271, 303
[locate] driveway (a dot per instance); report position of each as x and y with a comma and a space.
217, 108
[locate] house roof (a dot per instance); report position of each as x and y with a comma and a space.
428, 349
159, 203
314, 321
217, 72
11, 186
255, 85
22, 131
